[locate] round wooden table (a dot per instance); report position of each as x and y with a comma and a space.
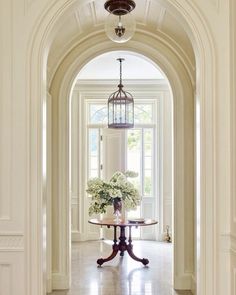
122, 246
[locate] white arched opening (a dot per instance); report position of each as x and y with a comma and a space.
183, 149
151, 90
203, 49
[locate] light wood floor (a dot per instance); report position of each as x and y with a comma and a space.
122, 275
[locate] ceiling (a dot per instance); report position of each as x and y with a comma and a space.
150, 15
106, 66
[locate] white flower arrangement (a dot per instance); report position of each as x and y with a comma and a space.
103, 193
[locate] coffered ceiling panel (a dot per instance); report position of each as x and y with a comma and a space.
150, 15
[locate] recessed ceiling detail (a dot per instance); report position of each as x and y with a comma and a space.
150, 16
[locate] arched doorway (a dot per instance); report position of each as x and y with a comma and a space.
183, 122
155, 55
90, 150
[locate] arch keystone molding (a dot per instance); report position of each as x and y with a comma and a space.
26, 43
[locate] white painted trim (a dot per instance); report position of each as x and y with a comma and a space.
11, 242
151, 83
188, 13
62, 88
60, 281
49, 284
194, 285
183, 282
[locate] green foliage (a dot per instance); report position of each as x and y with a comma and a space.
103, 193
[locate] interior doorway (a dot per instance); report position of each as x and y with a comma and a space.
146, 149
182, 79
182, 175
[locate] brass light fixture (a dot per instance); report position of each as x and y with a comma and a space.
120, 24
120, 106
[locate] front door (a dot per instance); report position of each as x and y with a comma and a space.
111, 150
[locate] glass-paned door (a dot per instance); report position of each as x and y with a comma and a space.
132, 149
141, 159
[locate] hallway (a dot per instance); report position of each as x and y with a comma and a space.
121, 276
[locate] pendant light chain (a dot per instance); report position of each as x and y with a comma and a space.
120, 72
120, 60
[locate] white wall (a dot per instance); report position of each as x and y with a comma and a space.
230, 246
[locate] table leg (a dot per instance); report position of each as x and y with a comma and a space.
129, 248
122, 243
122, 247
115, 248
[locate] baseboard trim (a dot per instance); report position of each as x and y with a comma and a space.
78, 237
49, 285
183, 282
60, 282
194, 285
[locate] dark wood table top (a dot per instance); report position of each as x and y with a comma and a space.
123, 223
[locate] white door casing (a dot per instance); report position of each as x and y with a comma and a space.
113, 145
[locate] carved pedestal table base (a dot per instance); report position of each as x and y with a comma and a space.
122, 246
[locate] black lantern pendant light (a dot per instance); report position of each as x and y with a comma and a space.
120, 106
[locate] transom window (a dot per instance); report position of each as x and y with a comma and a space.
143, 113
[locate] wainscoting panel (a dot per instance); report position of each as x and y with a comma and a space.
12, 264
5, 279
12, 272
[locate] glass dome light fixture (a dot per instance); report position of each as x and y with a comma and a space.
120, 24
120, 106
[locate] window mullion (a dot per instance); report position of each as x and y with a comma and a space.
142, 161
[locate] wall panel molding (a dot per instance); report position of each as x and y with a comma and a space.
5, 279
233, 110
11, 242
234, 280
228, 243
6, 78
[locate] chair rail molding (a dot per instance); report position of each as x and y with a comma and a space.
11, 242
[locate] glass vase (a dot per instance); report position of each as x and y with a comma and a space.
117, 205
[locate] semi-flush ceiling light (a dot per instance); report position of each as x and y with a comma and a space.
120, 24
120, 106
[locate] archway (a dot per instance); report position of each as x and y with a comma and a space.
183, 152
203, 51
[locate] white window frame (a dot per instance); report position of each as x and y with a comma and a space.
156, 99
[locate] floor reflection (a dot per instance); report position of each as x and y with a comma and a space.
122, 275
